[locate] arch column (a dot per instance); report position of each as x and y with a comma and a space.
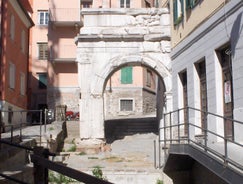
91, 116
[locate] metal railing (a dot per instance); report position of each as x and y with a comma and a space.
184, 126
15, 128
41, 163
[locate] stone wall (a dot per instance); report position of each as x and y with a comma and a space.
149, 101
69, 97
112, 103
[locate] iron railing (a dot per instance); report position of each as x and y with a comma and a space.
22, 116
41, 163
178, 129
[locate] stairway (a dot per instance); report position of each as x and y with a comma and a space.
14, 162
117, 129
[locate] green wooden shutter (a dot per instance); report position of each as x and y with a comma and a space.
188, 4
126, 75
175, 11
182, 7
42, 80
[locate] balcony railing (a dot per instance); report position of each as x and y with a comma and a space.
63, 53
64, 15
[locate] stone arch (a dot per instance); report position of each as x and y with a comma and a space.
92, 121
98, 84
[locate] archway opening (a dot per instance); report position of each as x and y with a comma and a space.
134, 99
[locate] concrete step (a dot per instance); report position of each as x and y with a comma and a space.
23, 173
135, 176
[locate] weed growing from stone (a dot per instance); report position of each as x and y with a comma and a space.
98, 173
72, 148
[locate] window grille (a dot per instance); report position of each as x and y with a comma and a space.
126, 105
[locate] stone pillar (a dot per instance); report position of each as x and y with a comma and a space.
91, 116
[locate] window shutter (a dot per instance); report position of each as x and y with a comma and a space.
175, 11
122, 3
182, 7
42, 81
126, 75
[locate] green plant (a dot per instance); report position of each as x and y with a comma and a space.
82, 153
159, 181
93, 158
51, 128
58, 178
98, 173
72, 148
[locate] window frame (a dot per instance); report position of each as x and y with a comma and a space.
12, 75
178, 11
45, 18
149, 76
23, 41
125, 3
22, 83
12, 27
126, 110
190, 4
42, 50
42, 84
126, 75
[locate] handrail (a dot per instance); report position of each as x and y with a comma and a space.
70, 172
174, 124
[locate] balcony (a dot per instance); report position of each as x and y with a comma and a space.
63, 53
65, 16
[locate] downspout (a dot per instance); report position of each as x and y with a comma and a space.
1, 51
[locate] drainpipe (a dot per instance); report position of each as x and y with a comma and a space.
1, 45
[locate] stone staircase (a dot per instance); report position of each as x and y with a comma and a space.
117, 129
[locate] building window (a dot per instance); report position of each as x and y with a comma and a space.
126, 75
178, 11
12, 27
124, 3
86, 4
23, 41
43, 17
42, 51
22, 84
12, 75
42, 80
149, 78
126, 105
191, 3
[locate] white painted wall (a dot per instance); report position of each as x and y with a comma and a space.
203, 42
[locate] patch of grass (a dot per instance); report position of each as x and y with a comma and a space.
114, 159
54, 177
72, 148
159, 181
93, 158
82, 153
98, 173
51, 128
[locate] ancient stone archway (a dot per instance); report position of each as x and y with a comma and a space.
104, 47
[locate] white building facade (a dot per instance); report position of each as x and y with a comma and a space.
207, 72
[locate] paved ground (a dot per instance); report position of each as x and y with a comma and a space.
128, 160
